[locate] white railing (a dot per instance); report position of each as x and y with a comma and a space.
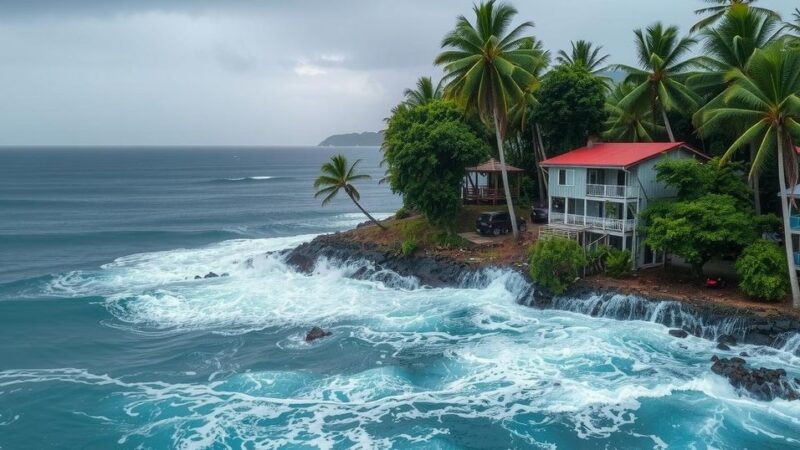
600, 223
609, 191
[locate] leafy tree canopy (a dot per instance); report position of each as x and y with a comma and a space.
697, 230
763, 271
693, 179
427, 148
571, 107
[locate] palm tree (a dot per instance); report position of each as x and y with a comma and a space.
424, 93
794, 27
628, 125
585, 55
338, 174
721, 7
660, 83
764, 100
729, 46
485, 70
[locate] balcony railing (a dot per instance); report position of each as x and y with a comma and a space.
609, 191
598, 223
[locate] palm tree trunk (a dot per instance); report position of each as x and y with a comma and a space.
365, 212
537, 160
667, 125
755, 183
504, 175
787, 231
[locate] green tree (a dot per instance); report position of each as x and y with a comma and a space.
426, 149
570, 108
764, 100
660, 83
337, 175
586, 55
628, 125
697, 230
555, 263
693, 179
485, 70
721, 7
424, 92
762, 271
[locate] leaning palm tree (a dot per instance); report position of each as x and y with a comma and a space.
660, 83
764, 100
585, 55
485, 70
338, 174
721, 7
628, 125
424, 92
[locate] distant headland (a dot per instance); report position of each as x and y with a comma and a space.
365, 139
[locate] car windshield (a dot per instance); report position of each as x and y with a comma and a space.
485, 217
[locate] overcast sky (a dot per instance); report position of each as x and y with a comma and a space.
249, 72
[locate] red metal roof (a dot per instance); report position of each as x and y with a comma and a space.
614, 154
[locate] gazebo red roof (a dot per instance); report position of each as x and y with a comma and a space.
493, 165
614, 154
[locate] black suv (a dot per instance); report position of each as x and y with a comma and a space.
497, 223
539, 214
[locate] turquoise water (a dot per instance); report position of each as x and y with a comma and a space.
107, 340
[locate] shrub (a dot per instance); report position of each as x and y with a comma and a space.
408, 246
618, 263
555, 263
402, 213
763, 271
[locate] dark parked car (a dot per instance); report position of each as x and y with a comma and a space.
539, 215
497, 223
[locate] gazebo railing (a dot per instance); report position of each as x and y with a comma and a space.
484, 194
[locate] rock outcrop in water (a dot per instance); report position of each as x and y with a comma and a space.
762, 384
316, 333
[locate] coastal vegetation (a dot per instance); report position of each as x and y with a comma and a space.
763, 271
556, 263
729, 88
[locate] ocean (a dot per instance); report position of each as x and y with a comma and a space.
107, 340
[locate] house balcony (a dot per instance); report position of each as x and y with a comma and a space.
610, 191
594, 223
794, 222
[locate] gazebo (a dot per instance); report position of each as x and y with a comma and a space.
484, 183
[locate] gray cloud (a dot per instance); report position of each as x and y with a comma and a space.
246, 71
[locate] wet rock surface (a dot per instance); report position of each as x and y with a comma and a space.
679, 333
762, 383
316, 333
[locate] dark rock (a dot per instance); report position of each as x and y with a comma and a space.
714, 358
226, 274
679, 333
211, 275
198, 277
316, 333
744, 355
726, 339
761, 384
722, 346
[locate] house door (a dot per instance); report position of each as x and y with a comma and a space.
595, 176
620, 178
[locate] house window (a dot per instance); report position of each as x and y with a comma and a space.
566, 177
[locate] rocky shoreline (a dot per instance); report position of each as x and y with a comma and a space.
702, 319
725, 324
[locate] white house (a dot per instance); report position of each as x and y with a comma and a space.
597, 193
